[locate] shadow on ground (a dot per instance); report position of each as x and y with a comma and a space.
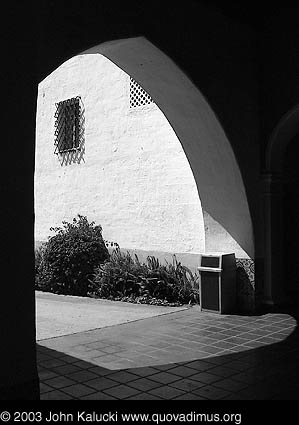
263, 373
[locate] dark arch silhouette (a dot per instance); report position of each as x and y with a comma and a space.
283, 133
204, 141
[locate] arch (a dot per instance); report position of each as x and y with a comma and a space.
204, 141
284, 131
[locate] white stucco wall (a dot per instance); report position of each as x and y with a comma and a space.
228, 222
134, 178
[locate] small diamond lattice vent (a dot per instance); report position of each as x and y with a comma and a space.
138, 96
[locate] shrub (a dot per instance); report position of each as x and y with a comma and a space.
118, 277
38, 259
66, 262
43, 274
123, 276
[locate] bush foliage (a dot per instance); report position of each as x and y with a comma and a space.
76, 261
66, 262
125, 277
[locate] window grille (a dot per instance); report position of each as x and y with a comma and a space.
68, 120
138, 96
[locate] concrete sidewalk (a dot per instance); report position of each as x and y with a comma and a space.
58, 315
186, 355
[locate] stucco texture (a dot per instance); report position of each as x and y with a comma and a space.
206, 145
131, 176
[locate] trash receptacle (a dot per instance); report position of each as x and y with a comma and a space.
217, 282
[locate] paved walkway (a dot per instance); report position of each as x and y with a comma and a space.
59, 315
187, 355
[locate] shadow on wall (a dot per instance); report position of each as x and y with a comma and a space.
250, 285
76, 155
218, 239
245, 279
203, 139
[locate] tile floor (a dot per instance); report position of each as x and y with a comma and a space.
186, 355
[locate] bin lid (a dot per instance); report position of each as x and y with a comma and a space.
209, 269
215, 254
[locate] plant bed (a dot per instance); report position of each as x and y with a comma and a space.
124, 278
76, 261
142, 300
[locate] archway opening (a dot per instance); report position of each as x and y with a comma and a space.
291, 218
201, 203
209, 154
281, 209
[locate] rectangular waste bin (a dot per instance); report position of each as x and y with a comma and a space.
217, 282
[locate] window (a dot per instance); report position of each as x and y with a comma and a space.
138, 96
68, 117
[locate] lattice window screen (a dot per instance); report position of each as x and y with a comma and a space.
138, 96
68, 119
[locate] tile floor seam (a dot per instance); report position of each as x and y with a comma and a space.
73, 396
61, 388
